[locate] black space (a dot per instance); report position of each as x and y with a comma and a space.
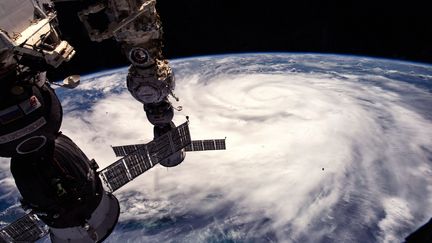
201, 27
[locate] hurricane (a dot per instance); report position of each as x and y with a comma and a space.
320, 148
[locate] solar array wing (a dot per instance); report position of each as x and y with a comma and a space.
181, 137
127, 168
116, 175
220, 144
173, 141
205, 145
121, 151
161, 147
144, 156
138, 163
26, 229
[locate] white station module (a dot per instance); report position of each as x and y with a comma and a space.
16, 15
28, 31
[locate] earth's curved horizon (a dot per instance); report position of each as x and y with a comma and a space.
321, 148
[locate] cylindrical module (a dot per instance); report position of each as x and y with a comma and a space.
30, 117
60, 185
97, 228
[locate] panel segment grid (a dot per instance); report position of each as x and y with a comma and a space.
26, 229
116, 175
141, 157
121, 151
206, 145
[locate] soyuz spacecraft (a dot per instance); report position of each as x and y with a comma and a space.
64, 192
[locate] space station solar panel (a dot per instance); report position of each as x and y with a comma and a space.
220, 144
181, 137
161, 147
139, 158
197, 146
138, 163
124, 150
209, 145
26, 229
205, 145
116, 175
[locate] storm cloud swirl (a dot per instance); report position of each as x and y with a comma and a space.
320, 149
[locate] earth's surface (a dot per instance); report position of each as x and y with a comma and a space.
321, 148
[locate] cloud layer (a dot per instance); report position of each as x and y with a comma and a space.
320, 149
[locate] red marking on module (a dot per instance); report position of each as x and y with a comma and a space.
34, 101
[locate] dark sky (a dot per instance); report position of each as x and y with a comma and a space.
399, 31
201, 27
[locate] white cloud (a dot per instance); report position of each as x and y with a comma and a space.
309, 156
281, 130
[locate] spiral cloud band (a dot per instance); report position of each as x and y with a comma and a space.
320, 148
